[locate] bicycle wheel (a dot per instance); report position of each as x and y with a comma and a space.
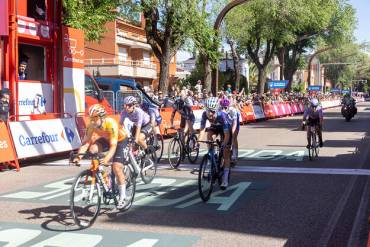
317, 145
205, 178
85, 199
193, 148
130, 187
159, 148
148, 168
174, 153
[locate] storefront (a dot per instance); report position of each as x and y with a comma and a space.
29, 54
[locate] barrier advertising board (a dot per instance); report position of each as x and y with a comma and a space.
6, 148
277, 84
40, 137
35, 98
258, 112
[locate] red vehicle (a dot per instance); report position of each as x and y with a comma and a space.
94, 95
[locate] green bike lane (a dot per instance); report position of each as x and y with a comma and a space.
287, 206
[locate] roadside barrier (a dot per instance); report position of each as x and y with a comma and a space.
48, 135
8, 154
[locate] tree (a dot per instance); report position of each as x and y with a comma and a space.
168, 23
264, 29
89, 16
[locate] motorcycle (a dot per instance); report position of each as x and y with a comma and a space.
348, 111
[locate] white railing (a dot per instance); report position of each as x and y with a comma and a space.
117, 61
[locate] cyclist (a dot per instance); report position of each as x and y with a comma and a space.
220, 125
314, 117
234, 115
141, 120
155, 119
183, 106
105, 134
348, 100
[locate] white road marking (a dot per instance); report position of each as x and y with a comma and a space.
146, 242
295, 170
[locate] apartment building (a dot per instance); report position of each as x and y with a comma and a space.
124, 53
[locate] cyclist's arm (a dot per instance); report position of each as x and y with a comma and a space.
86, 142
203, 122
112, 143
305, 114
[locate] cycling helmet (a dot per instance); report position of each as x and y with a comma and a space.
97, 110
314, 102
129, 100
224, 102
212, 103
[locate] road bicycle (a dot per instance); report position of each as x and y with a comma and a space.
314, 148
93, 186
156, 141
178, 148
210, 169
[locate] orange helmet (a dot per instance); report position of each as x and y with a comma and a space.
97, 110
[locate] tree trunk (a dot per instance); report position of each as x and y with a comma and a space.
261, 80
311, 59
207, 77
164, 73
236, 61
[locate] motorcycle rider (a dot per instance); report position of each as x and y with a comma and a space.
349, 101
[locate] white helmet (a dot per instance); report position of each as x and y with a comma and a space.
212, 103
97, 110
129, 100
314, 102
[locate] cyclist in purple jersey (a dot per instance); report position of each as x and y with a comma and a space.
313, 117
141, 120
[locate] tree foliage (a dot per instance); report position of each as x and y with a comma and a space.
89, 16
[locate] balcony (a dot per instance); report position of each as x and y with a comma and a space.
132, 40
119, 67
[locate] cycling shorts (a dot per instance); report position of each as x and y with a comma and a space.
219, 130
183, 120
313, 122
146, 130
118, 155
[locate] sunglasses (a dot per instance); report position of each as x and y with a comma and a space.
128, 105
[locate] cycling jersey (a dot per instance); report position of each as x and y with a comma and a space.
138, 117
311, 114
221, 120
184, 109
234, 114
155, 115
110, 130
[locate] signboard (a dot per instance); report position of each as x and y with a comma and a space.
314, 88
35, 98
258, 112
345, 91
278, 84
29, 27
73, 70
335, 90
6, 147
4, 18
34, 138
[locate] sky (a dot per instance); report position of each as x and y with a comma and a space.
362, 32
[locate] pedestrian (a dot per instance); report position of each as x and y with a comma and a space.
4, 104
22, 74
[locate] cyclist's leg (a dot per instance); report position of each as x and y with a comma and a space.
235, 145
145, 131
319, 132
227, 155
183, 129
118, 163
99, 145
308, 136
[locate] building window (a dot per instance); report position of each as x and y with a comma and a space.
146, 58
36, 9
122, 54
31, 63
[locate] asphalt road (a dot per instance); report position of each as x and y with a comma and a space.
276, 197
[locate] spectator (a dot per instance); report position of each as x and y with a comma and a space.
228, 88
198, 87
4, 104
22, 74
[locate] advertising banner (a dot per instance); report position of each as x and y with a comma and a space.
40, 137
35, 98
6, 148
4, 18
278, 84
314, 88
73, 70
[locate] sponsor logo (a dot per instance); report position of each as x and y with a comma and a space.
34, 140
3, 144
27, 101
69, 134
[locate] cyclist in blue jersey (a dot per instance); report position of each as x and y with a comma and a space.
220, 125
155, 116
313, 118
141, 120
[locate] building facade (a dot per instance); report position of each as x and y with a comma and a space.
124, 53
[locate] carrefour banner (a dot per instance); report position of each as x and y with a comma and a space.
34, 138
35, 98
